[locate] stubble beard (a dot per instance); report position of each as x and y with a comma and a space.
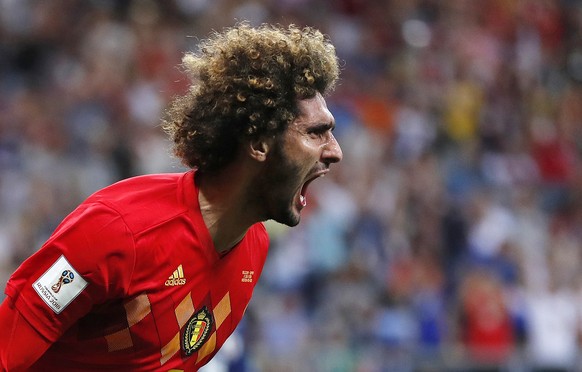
276, 190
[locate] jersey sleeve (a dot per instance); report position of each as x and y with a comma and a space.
88, 260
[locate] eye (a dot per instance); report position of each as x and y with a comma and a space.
322, 132
318, 132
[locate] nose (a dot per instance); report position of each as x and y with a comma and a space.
332, 152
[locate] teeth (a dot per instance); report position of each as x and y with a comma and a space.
303, 200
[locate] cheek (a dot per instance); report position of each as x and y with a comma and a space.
304, 152
282, 170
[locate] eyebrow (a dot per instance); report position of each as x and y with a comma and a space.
323, 126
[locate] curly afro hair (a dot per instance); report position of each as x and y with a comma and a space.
246, 84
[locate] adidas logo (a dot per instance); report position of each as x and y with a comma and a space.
177, 278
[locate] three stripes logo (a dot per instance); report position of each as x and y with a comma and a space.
177, 278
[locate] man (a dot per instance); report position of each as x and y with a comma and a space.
155, 272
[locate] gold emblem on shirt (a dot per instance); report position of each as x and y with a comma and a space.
177, 278
247, 276
196, 331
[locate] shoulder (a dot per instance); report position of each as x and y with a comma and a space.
145, 201
257, 241
257, 247
258, 232
132, 189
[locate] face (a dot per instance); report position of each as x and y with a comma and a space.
304, 153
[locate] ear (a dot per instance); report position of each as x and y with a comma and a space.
259, 149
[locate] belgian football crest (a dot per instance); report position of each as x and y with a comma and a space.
197, 331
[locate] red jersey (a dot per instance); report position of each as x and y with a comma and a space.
130, 280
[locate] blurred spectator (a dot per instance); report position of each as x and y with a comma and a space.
486, 328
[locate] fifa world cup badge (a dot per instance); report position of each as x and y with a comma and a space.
66, 277
60, 285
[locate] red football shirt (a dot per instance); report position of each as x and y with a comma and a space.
130, 280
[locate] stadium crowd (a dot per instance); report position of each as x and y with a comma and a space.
450, 236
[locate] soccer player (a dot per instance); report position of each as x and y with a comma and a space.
155, 272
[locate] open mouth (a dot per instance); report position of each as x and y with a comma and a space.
303, 192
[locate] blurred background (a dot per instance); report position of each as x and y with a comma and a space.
448, 239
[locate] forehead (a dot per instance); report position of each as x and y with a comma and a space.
313, 111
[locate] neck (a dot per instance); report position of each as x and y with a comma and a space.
225, 207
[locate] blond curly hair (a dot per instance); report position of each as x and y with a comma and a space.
245, 85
